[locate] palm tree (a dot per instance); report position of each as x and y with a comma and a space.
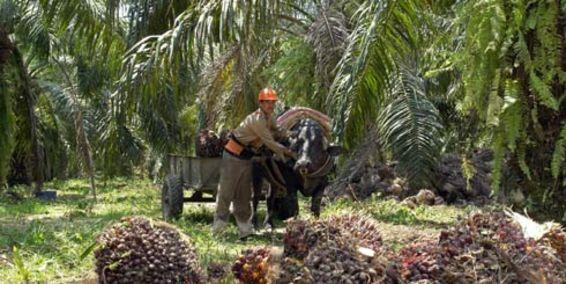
6, 113
512, 66
372, 83
385, 63
25, 98
40, 31
245, 33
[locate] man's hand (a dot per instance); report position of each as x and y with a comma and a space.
291, 133
290, 153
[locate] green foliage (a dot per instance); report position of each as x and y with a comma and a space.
188, 124
410, 127
67, 112
511, 72
384, 32
328, 35
392, 212
292, 75
468, 171
55, 139
196, 35
93, 22
23, 272
91, 77
121, 143
559, 155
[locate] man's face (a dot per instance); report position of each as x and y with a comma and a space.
267, 106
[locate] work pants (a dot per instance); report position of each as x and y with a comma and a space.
235, 187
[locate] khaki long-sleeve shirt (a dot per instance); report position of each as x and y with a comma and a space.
257, 130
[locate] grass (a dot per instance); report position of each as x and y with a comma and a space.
44, 241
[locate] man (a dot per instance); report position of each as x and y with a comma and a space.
258, 129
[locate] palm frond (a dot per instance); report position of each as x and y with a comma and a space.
328, 35
92, 21
62, 104
559, 155
92, 77
155, 58
117, 143
158, 120
248, 79
293, 74
8, 15
232, 104
207, 28
6, 48
148, 17
55, 138
384, 32
411, 129
68, 97
214, 80
32, 31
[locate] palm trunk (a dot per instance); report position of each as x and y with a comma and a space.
82, 138
6, 113
30, 99
84, 144
6, 47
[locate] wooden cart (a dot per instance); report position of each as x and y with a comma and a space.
197, 174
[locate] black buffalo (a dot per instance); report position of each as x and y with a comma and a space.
307, 174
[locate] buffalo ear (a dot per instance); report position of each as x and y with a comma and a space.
334, 150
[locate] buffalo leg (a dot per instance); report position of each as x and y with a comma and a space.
316, 200
270, 201
288, 206
255, 203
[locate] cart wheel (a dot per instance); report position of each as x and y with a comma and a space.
172, 198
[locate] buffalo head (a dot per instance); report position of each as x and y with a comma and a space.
314, 152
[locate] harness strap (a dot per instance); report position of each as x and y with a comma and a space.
323, 170
277, 171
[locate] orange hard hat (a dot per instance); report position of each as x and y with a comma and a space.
267, 94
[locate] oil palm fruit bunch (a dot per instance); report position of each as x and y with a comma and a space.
491, 245
481, 249
556, 238
361, 227
209, 144
338, 259
216, 270
252, 266
339, 249
293, 271
137, 250
302, 235
418, 261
